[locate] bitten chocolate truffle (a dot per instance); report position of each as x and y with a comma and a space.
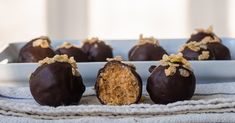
196, 51
35, 50
118, 83
57, 82
171, 81
147, 49
97, 50
213, 42
72, 51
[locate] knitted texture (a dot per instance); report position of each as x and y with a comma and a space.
209, 98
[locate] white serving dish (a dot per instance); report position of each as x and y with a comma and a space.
205, 71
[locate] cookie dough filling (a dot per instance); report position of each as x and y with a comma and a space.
117, 85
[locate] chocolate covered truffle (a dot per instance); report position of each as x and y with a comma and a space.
57, 82
96, 50
213, 42
147, 49
72, 51
173, 80
35, 50
196, 51
118, 83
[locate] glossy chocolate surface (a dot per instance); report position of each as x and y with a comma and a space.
28, 53
193, 55
146, 52
75, 52
97, 51
164, 89
55, 85
220, 51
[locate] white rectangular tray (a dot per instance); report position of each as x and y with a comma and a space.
205, 71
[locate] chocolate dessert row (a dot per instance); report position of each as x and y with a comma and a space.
92, 50
57, 82
202, 45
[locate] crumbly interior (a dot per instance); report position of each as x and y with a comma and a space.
118, 85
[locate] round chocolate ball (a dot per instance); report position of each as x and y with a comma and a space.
118, 84
212, 42
146, 52
56, 83
35, 50
72, 51
147, 49
170, 82
220, 51
96, 50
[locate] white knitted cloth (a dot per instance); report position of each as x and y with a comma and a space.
211, 103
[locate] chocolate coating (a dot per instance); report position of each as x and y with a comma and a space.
117, 78
164, 89
220, 51
75, 52
54, 85
193, 55
97, 51
199, 36
146, 52
28, 53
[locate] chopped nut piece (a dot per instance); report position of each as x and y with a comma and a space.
66, 45
43, 43
96, 46
144, 40
204, 56
208, 30
174, 61
195, 46
117, 58
91, 40
174, 64
61, 58
184, 73
208, 39
170, 71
